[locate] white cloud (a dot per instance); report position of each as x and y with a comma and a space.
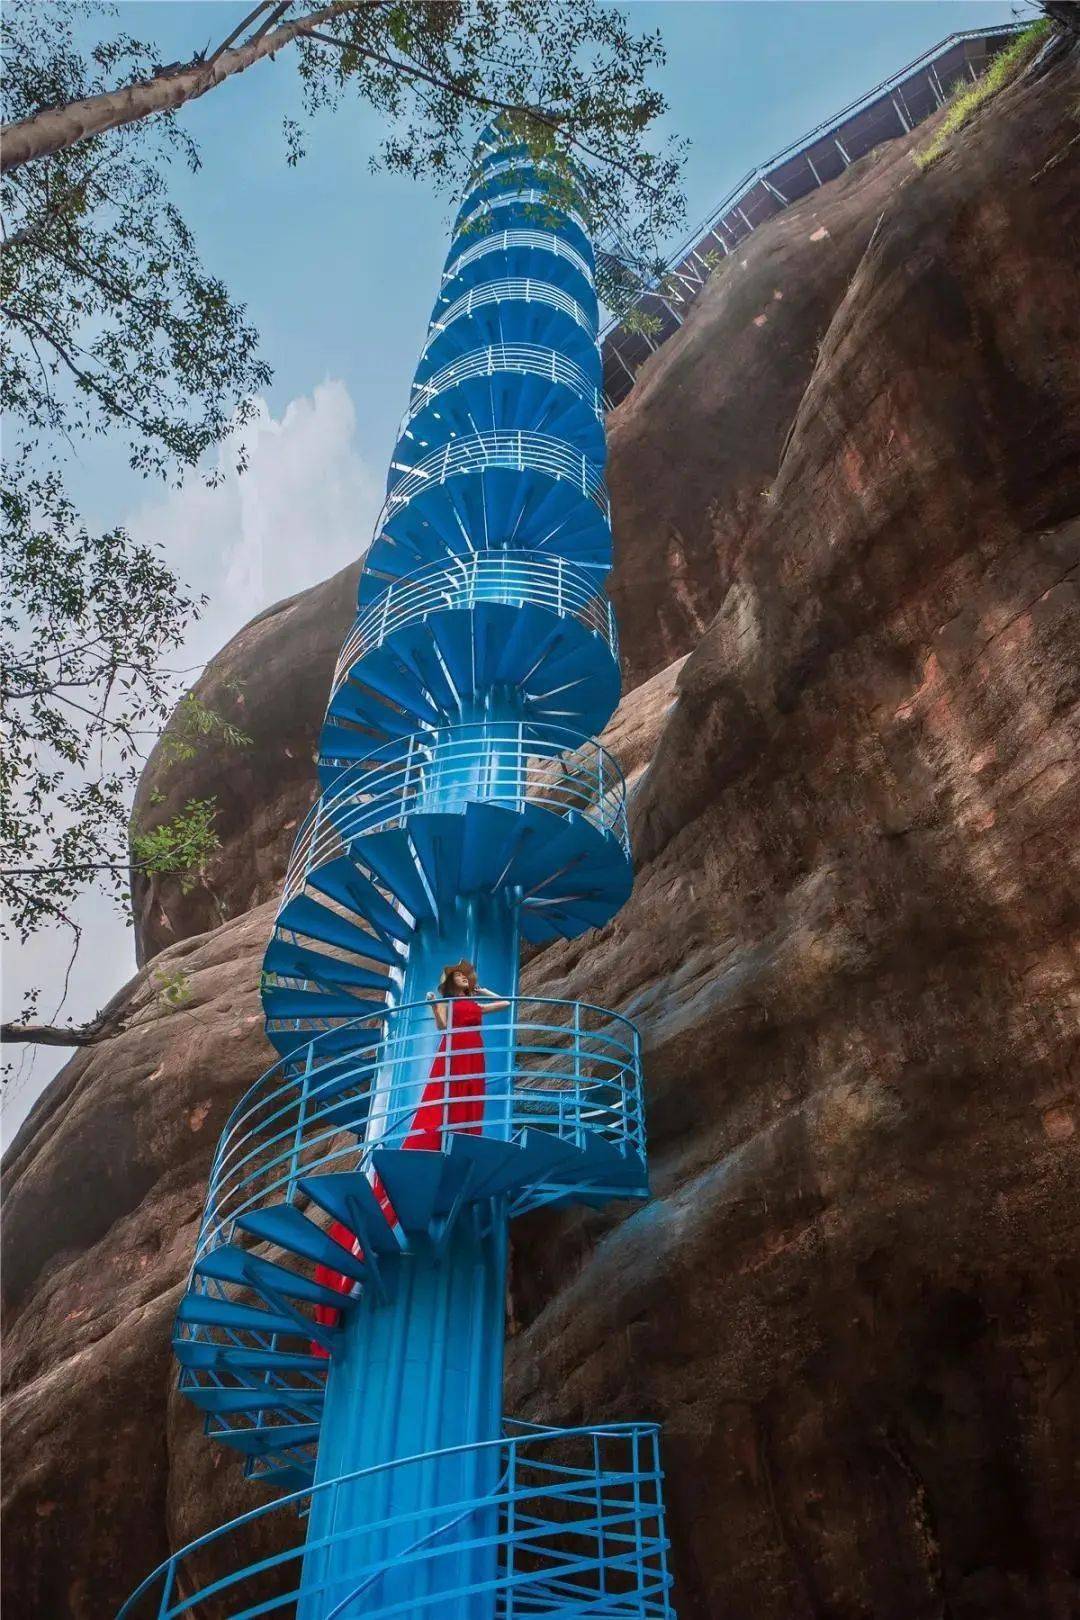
304, 508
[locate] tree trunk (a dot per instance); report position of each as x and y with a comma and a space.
56, 128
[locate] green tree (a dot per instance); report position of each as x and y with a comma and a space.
112, 326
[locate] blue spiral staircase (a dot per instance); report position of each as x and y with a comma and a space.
465, 806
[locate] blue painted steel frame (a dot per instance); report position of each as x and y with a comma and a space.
465, 806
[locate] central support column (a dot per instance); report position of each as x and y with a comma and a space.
417, 1374
422, 1370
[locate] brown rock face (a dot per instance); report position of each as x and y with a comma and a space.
271, 681
851, 950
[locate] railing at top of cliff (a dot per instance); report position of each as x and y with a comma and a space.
891, 109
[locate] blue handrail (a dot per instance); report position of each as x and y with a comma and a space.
629, 1499
517, 578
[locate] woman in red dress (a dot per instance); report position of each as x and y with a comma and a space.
453, 1098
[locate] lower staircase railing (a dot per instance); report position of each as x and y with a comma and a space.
574, 1526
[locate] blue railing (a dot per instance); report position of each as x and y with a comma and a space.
508, 290
524, 359
510, 174
511, 451
505, 241
442, 770
573, 1525
564, 1069
543, 210
511, 578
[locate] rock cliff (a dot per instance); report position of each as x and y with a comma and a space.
847, 499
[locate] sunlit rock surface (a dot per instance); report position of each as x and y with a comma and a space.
851, 950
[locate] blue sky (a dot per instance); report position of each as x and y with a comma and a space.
338, 267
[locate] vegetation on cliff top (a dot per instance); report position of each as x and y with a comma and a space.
966, 103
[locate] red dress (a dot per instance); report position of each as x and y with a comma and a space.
454, 1100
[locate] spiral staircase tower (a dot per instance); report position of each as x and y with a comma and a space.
465, 807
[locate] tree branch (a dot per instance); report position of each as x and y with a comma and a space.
53, 129
264, 5
412, 70
106, 395
89, 1034
278, 11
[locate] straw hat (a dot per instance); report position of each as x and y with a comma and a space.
464, 967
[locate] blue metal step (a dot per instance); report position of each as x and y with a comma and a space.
291, 1230
294, 961
388, 854
603, 1165
539, 1158
539, 1155
304, 915
386, 918
454, 635
563, 671
281, 1001
256, 1441
292, 1038
342, 880
504, 401
558, 520
435, 841
288, 1477
349, 1198
480, 1163
491, 838
509, 320
412, 1178
265, 1398
235, 1265
398, 685
206, 1310
206, 1356
346, 742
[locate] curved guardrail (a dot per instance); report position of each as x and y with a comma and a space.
526, 163
573, 1526
512, 174
504, 241
442, 770
508, 289
531, 197
562, 1069
519, 451
497, 152
513, 578
523, 359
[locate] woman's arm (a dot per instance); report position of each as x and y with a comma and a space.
492, 1003
438, 1009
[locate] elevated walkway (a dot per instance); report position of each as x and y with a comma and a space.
891, 109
